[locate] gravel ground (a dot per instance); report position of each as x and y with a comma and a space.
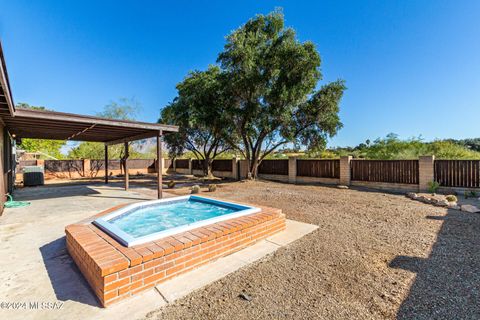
374, 256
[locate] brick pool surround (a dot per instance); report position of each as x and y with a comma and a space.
105, 224
115, 272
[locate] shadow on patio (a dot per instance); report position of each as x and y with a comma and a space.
66, 279
49, 192
74, 190
447, 283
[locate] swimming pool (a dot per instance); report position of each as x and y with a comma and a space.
152, 220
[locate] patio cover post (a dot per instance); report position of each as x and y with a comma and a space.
126, 165
160, 165
106, 163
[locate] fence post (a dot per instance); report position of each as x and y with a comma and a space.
345, 170
174, 165
86, 168
425, 172
292, 169
190, 169
235, 169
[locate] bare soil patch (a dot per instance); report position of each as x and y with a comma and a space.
374, 256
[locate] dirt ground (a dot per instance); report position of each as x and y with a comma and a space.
374, 256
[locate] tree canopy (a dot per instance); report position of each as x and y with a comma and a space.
200, 111
272, 79
262, 95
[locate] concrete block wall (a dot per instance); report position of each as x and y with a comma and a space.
426, 172
345, 173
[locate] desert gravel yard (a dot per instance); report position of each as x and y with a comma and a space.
374, 256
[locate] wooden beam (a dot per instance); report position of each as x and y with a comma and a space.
106, 164
126, 166
133, 138
80, 132
160, 166
70, 117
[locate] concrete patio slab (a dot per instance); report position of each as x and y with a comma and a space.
296, 230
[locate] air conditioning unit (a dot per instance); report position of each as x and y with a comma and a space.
33, 176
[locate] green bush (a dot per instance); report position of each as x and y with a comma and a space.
212, 188
433, 186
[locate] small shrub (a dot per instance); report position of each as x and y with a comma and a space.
171, 184
451, 198
466, 194
195, 189
473, 194
212, 187
433, 186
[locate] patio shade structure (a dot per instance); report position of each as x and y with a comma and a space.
41, 124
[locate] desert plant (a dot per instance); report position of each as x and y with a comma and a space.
171, 184
433, 186
195, 189
212, 187
451, 198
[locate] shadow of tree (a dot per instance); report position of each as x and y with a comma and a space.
67, 281
447, 283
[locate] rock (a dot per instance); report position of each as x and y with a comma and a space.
442, 203
412, 195
455, 207
452, 205
424, 199
341, 186
469, 208
245, 296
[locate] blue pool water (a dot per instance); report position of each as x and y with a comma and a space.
156, 218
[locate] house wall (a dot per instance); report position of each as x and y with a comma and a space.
3, 175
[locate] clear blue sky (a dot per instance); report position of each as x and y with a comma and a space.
412, 67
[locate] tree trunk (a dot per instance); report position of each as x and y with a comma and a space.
253, 169
207, 168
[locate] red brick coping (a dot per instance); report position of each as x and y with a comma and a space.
115, 272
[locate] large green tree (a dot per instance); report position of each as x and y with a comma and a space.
47, 148
200, 111
272, 80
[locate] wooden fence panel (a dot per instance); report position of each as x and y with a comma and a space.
63, 165
141, 163
222, 165
273, 167
390, 171
457, 173
319, 168
181, 163
197, 164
